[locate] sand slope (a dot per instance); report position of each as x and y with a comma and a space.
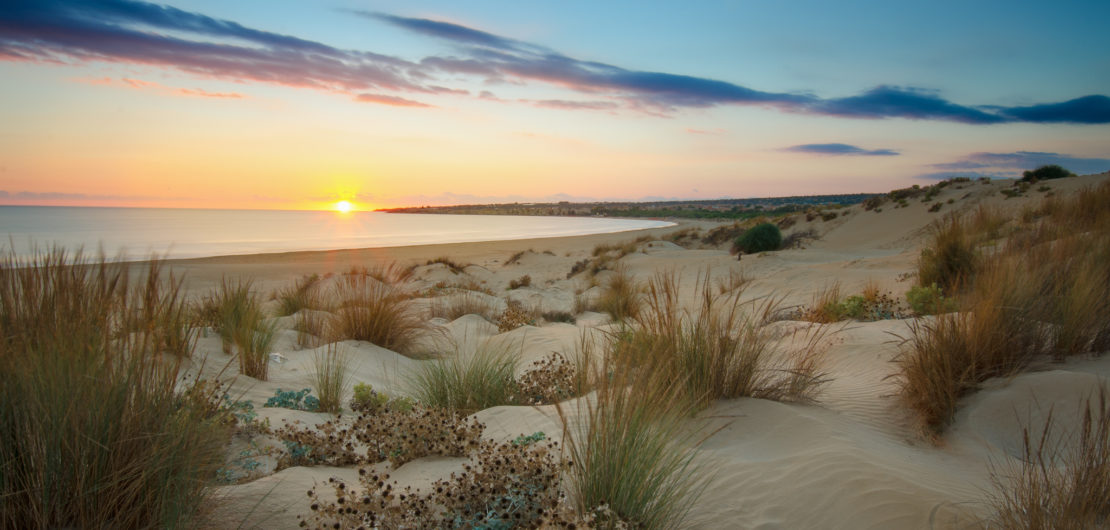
852, 460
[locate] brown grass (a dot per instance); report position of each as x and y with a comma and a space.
1046, 290
621, 297
1064, 486
374, 311
719, 349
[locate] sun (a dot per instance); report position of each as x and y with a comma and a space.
343, 206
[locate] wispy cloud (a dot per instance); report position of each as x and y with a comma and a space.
135, 32
839, 149
1011, 164
25, 197
394, 101
139, 84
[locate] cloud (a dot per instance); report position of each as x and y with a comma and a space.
911, 103
839, 149
25, 196
132, 32
139, 84
573, 105
389, 100
709, 132
141, 33
445, 30
1089, 109
1008, 165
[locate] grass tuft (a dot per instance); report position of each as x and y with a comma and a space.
374, 311
622, 297
331, 377
1059, 487
467, 381
93, 431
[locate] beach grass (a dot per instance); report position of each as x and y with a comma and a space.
371, 310
720, 349
1044, 291
331, 376
467, 381
631, 453
94, 432
301, 295
622, 297
1060, 482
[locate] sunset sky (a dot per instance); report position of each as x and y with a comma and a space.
300, 104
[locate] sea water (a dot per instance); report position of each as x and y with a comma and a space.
137, 233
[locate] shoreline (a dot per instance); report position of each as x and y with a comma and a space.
271, 269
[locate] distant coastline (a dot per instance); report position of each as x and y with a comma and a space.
693, 209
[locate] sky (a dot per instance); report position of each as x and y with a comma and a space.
298, 104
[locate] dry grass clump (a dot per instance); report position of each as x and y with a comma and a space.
1059, 488
453, 306
93, 431
452, 265
950, 258
374, 311
311, 328
523, 281
721, 349
508, 485
621, 297
1044, 291
331, 376
301, 295
242, 323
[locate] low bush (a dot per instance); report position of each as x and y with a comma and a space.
760, 238
507, 485
929, 300
515, 316
1048, 172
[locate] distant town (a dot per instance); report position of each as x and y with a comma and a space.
699, 209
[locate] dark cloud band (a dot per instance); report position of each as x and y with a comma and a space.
839, 149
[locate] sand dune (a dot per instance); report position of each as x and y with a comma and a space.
852, 460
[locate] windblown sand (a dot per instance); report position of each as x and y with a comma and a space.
853, 460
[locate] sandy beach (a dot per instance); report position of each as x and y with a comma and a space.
854, 458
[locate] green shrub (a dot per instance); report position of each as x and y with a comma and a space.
929, 300
760, 238
1048, 172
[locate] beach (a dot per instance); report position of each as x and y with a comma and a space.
852, 458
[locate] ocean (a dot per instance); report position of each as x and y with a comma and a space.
137, 233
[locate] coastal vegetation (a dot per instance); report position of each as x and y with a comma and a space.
95, 430
1031, 287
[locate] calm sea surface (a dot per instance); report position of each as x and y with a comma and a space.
183, 233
